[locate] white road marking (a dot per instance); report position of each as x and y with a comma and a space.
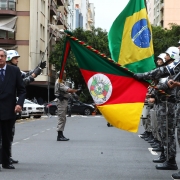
47, 129
152, 152
35, 134
26, 139
42, 131
15, 143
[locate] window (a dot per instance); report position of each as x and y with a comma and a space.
2, 34
43, 6
3, 4
12, 5
10, 35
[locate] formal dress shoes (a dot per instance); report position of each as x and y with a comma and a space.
176, 176
166, 166
62, 139
12, 161
160, 149
8, 166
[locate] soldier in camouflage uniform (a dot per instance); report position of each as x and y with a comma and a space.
177, 175
153, 99
62, 92
168, 127
146, 121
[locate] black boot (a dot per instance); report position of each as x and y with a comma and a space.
142, 134
176, 176
61, 137
151, 141
159, 149
168, 165
150, 137
160, 159
156, 145
146, 135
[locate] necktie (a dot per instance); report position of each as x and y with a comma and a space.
2, 74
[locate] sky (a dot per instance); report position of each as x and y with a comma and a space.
106, 12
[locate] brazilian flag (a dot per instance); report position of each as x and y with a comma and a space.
130, 38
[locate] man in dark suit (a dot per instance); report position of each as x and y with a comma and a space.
11, 86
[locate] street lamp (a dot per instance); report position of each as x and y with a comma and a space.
61, 31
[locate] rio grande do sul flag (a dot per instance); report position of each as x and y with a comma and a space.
130, 38
118, 96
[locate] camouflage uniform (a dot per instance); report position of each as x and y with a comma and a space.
61, 92
161, 115
177, 114
146, 121
167, 119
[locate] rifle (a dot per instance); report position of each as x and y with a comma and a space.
177, 75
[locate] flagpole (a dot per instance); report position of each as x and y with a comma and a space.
145, 4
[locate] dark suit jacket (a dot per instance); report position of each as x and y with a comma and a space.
10, 88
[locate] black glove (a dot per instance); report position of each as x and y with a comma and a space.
37, 71
139, 76
42, 65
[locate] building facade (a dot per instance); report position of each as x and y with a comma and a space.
163, 12
27, 28
84, 14
31, 27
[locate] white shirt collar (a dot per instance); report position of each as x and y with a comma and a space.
4, 67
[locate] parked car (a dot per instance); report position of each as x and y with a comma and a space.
32, 109
78, 107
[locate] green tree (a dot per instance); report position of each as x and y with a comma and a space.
164, 38
97, 38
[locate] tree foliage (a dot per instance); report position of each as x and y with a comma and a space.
164, 38
97, 38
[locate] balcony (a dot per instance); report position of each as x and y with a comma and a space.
60, 2
8, 8
66, 9
7, 38
51, 30
66, 25
53, 8
59, 18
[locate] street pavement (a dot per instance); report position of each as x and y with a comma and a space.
94, 152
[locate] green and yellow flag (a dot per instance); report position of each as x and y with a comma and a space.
130, 38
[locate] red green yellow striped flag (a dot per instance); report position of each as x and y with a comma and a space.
118, 96
130, 38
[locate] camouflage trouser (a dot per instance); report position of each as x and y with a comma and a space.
61, 111
161, 116
146, 121
178, 122
155, 124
